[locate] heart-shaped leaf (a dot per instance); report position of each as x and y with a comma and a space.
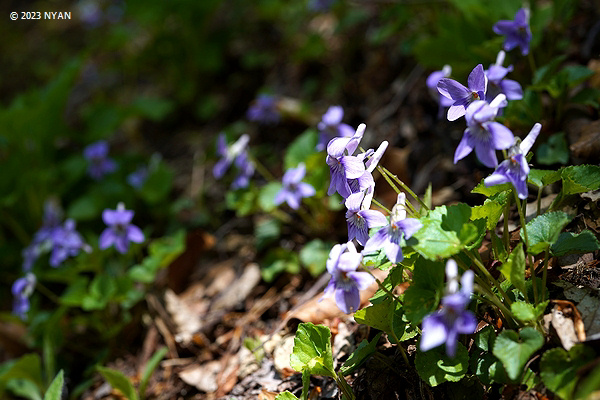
514, 268
514, 349
543, 230
312, 350
558, 369
435, 367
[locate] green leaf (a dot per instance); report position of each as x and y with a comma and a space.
572, 243
424, 293
446, 231
588, 97
526, 312
55, 389
376, 316
266, 231
314, 255
158, 185
542, 177
286, 396
305, 384
492, 190
491, 210
161, 252
24, 388
300, 149
514, 268
312, 350
118, 381
101, 290
266, 196
279, 260
75, 292
28, 367
153, 108
554, 151
436, 367
150, 367
580, 179
360, 355
543, 230
514, 349
558, 368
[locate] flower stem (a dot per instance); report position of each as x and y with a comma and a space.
47, 292
403, 186
262, 169
539, 201
545, 273
506, 233
489, 277
382, 286
524, 228
378, 204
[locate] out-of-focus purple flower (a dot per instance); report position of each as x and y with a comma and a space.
444, 325
137, 178
120, 230
99, 163
246, 170
294, 190
22, 290
229, 153
53, 215
515, 168
264, 110
390, 236
331, 125
90, 13
497, 83
484, 134
342, 164
320, 5
66, 242
432, 81
461, 95
345, 281
517, 31
360, 218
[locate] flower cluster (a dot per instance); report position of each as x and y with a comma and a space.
351, 177
483, 133
61, 240
236, 154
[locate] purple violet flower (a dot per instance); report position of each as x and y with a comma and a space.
52, 219
515, 168
264, 110
484, 134
294, 190
345, 281
66, 242
99, 163
517, 31
137, 178
461, 95
360, 218
390, 236
497, 83
444, 325
432, 81
246, 170
320, 5
22, 290
332, 126
120, 231
342, 164
228, 153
